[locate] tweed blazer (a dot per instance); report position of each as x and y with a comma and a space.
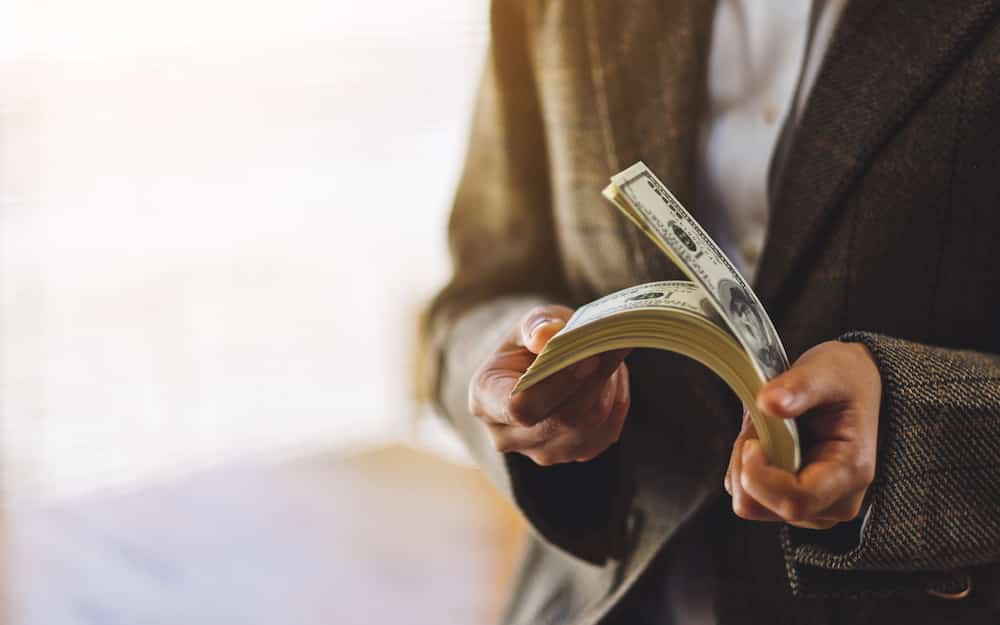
885, 224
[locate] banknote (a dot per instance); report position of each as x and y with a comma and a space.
647, 202
676, 295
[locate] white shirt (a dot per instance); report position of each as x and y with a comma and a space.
757, 58
764, 58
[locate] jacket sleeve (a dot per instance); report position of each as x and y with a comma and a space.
505, 257
934, 510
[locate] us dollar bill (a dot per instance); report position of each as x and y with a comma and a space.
645, 200
678, 295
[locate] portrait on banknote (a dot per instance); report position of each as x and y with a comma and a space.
742, 311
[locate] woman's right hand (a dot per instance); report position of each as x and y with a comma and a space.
571, 416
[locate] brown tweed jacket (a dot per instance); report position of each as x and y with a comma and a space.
884, 229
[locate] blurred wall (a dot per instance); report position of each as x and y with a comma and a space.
218, 219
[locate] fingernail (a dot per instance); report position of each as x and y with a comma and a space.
784, 398
585, 367
750, 447
538, 324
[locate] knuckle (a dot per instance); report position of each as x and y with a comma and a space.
853, 510
547, 428
734, 452
793, 508
606, 400
741, 509
616, 425
865, 470
588, 453
815, 525
520, 411
591, 448
515, 414
544, 458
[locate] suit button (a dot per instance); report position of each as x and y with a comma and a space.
962, 593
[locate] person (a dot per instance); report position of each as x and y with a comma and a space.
845, 155
752, 327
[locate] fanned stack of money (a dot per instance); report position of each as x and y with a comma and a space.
715, 319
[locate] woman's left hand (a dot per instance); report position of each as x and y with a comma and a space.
833, 391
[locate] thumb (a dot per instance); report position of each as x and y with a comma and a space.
540, 325
813, 380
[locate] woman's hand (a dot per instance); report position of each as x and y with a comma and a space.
833, 391
573, 415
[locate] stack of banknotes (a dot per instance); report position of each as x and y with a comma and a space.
716, 318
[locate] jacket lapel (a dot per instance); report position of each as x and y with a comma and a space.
647, 61
884, 60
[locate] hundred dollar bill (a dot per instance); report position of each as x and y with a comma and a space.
647, 202
675, 295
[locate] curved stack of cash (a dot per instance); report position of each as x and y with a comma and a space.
733, 335
675, 316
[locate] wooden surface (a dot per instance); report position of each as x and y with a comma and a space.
393, 536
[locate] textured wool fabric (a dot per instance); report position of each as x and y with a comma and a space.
884, 229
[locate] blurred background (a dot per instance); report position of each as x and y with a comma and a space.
218, 221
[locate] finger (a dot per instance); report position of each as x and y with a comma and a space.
819, 524
814, 379
489, 394
536, 403
568, 442
609, 428
557, 438
846, 508
795, 497
744, 505
585, 417
624, 397
727, 481
562, 444
520, 438
619, 396
732, 471
540, 324
595, 398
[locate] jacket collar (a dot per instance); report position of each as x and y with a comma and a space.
884, 60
